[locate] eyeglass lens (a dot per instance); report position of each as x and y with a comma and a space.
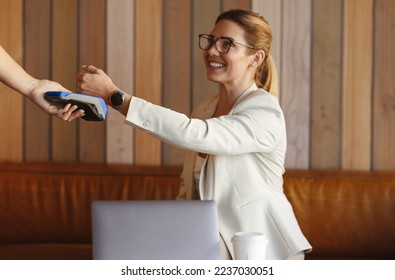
221, 44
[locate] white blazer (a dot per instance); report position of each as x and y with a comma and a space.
243, 172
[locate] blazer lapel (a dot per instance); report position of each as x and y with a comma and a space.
205, 112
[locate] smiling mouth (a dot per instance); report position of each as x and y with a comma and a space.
216, 65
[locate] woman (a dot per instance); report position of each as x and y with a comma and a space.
13, 75
236, 140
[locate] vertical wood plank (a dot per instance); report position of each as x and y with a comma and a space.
236, 4
37, 63
64, 66
326, 85
11, 115
148, 72
271, 11
295, 80
205, 12
177, 64
384, 86
357, 84
120, 62
92, 23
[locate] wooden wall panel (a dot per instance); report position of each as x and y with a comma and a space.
177, 61
236, 4
37, 63
384, 86
120, 67
271, 11
357, 84
205, 12
92, 22
148, 72
326, 53
295, 80
326, 84
11, 113
64, 66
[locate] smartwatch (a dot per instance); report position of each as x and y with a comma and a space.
117, 99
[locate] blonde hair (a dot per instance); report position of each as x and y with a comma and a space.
258, 34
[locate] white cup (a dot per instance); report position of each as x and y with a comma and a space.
249, 246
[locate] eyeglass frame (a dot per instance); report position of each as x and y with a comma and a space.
215, 40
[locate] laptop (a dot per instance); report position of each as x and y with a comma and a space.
155, 230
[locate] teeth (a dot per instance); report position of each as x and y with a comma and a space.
216, 65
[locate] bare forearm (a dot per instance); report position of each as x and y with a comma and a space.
13, 75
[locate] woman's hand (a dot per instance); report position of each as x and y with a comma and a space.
36, 93
95, 82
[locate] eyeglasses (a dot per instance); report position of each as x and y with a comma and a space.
222, 44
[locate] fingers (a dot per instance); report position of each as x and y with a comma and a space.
79, 89
75, 115
80, 78
70, 112
92, 69
86, 75
88, 69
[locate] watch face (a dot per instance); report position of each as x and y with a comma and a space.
117, 99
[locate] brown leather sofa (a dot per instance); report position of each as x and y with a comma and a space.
344, 215
45, 208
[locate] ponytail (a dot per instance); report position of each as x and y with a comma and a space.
266, 76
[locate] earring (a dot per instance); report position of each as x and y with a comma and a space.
250, 67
